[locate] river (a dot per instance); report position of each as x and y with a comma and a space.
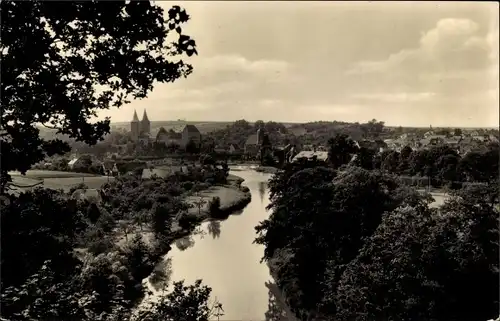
226, 259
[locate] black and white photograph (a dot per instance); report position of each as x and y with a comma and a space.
249, 160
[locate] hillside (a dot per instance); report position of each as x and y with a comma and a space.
203, 126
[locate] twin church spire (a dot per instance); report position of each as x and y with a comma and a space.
144, 116
140, 128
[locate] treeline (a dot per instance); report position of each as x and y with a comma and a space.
64, 259
354, 244
439, 165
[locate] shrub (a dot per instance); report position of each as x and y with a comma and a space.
100, 245
214, 206
77, 187
187, 221
187, 186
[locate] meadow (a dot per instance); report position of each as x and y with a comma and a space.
58, 180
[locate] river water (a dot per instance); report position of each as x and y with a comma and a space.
226, 259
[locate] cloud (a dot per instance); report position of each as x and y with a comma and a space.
452, 72
401, 97
404, 65
452, 45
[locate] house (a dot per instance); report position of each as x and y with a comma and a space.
309, 154
219, 150
149, 173
110, 168
390, 144
371, 144
85, 160
190, 133
168, 137
256, 142
252, 145
90, 194
453, 141
234, 149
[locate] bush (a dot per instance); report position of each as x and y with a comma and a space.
214, 206
187, 186
188, 221
77, 187
100, 245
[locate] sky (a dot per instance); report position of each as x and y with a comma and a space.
405, 63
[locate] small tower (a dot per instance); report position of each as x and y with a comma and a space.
134, 127
260, 136
145, 124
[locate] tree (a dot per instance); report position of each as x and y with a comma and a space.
447, 166
192, 147
470, 167
207, 160
457, 132
38, 226
184, 303
340, 150
364, 158
391, 162
320, 216
42, 296
373, 128
63, 62
404, 160
421, 265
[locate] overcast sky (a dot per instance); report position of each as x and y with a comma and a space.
414, 64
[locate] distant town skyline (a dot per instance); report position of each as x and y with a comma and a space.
410, 64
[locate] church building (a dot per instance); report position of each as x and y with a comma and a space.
140, 129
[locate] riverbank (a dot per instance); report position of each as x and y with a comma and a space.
266, 169
233, 197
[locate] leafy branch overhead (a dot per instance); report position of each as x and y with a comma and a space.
63, 62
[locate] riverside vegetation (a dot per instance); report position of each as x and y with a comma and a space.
50, 79
346, 243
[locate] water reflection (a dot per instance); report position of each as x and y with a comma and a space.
161, 275
276, 310
184, 243
262, 191
214, 229
187, 241
231, 261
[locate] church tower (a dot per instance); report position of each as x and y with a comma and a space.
134, 127
260, 136
145, 124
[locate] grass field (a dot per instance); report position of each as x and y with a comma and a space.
59, 180
41, 174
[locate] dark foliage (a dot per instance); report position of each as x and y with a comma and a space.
63, 62
353, 244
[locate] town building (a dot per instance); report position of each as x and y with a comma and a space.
191, 133
234, 149
309, 155
256, 142
181, 138
140, 129
170, 137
